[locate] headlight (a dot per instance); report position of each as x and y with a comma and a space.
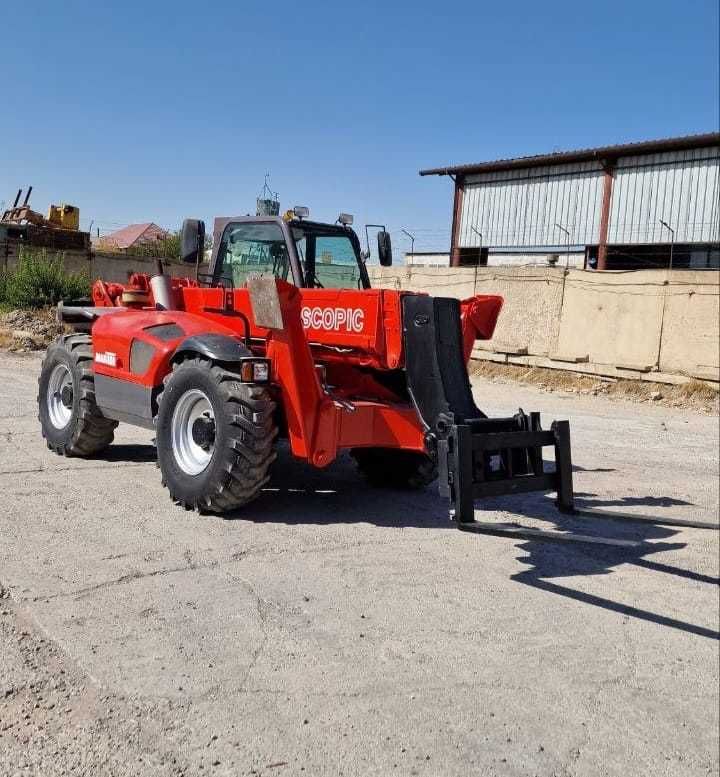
255, 371
261, 372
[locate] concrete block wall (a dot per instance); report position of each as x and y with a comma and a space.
648, 324
444, 281
98, 264
117, 267
73, 261
533, 297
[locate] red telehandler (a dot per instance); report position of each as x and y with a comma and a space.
284, 338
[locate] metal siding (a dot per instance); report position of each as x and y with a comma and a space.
517, 208
520, 207
680, 187
714, 215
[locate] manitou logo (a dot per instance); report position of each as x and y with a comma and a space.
334, 319
108, 358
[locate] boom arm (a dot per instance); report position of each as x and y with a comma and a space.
318, 423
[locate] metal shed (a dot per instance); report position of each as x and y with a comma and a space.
632, 205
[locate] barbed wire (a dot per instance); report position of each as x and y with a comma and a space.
532, 235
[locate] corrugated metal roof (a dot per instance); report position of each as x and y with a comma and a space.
582, 155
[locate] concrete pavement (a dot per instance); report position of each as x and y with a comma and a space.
333, 629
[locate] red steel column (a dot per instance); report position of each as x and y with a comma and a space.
455, 234
608, 171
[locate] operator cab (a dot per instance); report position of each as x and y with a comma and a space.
308, 254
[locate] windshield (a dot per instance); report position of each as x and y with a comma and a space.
252, 249
329, 260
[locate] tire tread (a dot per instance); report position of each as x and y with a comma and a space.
93, 432
248, 410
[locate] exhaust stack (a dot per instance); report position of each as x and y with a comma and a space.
162, 288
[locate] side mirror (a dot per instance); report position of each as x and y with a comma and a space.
384, 248
192, 241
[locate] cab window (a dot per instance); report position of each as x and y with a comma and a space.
252, 249
328, 261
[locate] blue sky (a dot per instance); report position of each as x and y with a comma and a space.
156, 111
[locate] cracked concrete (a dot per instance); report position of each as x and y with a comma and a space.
331, 629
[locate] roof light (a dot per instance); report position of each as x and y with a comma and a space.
345, 219
301, 211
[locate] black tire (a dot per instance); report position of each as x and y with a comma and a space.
394, 468
87, 431
243, 438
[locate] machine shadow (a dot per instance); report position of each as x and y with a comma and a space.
299, 493
531, 578
549, 561
589, 500
134, 453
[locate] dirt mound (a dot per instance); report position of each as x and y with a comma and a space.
28, 330
693, 395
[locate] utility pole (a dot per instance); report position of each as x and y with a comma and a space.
478, 232
672, 239
665, 291
412, 243
567, 244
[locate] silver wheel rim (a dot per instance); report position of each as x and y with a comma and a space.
191, 457
58, 412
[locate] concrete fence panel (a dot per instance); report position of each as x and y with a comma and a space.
117, 267
73, 261
77, 262
458, 282
690, 336
528, 322
648, 321
108, 266
612, 318
613, 323
529, 319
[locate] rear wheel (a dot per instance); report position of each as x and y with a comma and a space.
215, 437
70, 420
394, 468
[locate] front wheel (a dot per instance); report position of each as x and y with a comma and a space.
215, 437
70, 420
